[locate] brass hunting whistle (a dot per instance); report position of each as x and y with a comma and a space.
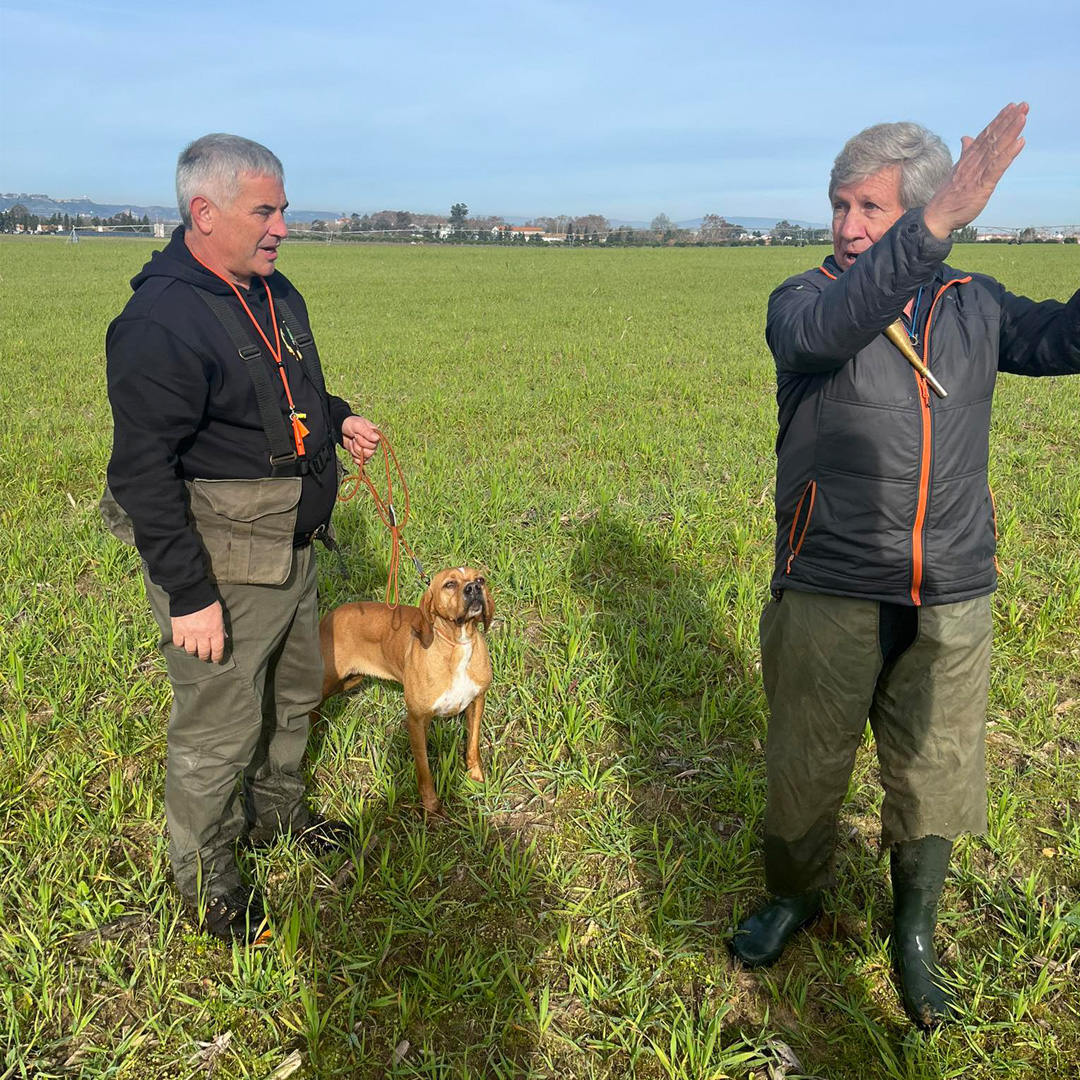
898, 336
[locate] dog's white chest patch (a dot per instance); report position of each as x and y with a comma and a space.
461, 691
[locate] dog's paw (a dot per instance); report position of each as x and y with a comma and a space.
434, 810
476, 773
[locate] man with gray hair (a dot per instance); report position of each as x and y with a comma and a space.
886, 531
223, 473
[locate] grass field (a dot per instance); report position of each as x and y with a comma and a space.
595, 429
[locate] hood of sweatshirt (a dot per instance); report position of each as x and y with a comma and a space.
176, 261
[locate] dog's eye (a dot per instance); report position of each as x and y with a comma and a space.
480, 581
450, 585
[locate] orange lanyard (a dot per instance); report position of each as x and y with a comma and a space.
299, 430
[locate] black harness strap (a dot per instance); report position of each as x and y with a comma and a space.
305, 345
283, 458
308, 355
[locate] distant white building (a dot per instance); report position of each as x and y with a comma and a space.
514, 231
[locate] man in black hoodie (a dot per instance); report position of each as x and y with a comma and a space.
223, 473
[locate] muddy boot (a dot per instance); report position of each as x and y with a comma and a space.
760, 939
918, 873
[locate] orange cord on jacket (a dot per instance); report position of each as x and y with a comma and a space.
299, 428
387, 514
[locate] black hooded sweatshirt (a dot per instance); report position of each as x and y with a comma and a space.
184, 408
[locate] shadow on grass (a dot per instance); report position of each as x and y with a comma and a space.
688, 697
687, 693
419, 949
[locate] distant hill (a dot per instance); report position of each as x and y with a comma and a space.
45, 206
762, 223
754, 222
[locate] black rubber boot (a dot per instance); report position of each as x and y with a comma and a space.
760, 939
237, 915
918, 873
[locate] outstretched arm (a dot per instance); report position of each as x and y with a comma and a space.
1036, 338
1039, 338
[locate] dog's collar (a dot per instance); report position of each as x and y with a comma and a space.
449, 640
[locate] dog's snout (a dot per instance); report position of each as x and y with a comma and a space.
473, 588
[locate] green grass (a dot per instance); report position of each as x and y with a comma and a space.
595, 429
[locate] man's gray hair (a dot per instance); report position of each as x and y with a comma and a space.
923, 158
211, 167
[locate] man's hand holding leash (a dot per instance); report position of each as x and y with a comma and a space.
360, 437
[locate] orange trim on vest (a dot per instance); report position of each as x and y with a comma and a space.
917, 548
792, 545
993, 517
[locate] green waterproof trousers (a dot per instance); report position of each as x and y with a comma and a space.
826, 672
238, 728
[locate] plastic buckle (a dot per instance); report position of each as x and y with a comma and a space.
283, 459
250, 352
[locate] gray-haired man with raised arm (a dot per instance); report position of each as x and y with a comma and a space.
886, 530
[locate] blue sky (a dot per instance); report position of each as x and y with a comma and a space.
531, 106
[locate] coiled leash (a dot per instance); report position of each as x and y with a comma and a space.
388, 515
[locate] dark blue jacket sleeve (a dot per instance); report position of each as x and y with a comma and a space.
813, 330
1039, 338
340, 411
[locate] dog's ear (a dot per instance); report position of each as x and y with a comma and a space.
489, 607
425, 623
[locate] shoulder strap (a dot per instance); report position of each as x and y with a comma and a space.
308, 355
304, 344
282, 451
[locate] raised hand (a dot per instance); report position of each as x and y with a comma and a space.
983, 161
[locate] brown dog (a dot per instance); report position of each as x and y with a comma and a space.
436, 652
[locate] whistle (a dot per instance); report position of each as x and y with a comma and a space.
898, 336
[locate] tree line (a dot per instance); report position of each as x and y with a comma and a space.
584, 230
18, 215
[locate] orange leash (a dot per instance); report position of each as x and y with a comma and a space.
387, 514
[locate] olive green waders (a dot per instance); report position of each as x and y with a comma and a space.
245, 719
825, 674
